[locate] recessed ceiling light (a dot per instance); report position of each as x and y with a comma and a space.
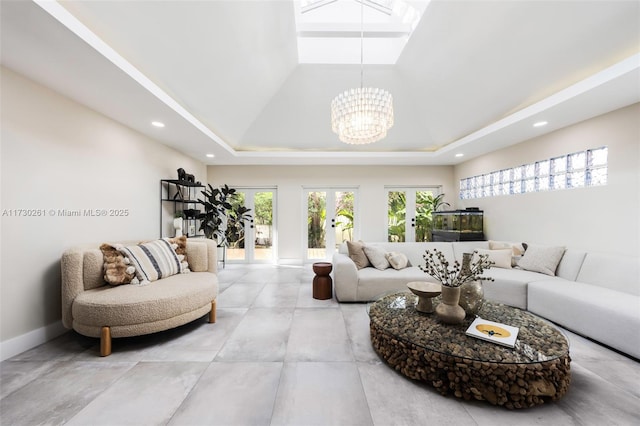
540, 124
210, 155
460, 155
157, 124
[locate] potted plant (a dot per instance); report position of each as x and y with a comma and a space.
452, 277
221, 219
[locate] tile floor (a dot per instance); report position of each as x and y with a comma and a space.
277, 356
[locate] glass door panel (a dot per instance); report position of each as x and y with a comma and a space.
330, 221
423, 221
409, 214
235, 231
252, 240
263, 230
316, 225
344, 217
397, 214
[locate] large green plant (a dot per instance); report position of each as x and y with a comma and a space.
237, 216
219, 212
436, 202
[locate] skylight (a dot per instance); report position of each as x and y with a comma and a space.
329, 30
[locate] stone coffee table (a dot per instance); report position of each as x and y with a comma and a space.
417, 345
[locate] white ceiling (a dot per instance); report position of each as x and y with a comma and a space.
225, 78
331, 31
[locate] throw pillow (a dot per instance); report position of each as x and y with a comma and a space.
377, 257
153, 260
518, 249
356, 253
181, 248
397, 260
541, 259
500, 258
117, 268
181, 243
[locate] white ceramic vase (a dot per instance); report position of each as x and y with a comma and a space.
177, 224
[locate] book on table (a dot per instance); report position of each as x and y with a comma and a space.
495, 332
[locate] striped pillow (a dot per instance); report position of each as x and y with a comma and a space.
153, 260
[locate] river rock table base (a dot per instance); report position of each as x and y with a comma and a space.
511, 385
483, 371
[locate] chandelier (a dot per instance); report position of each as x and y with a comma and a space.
362, 115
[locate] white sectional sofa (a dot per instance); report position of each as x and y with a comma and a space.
592, 294
602, 302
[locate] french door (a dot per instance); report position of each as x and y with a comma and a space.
409, 213
253, 240
330, 220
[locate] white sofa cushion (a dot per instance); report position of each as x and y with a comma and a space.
620, 273
608, 316
345, 278
510, 285
570, 264
374, 283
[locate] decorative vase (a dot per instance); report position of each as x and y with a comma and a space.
471, 297
177, 224
448, 310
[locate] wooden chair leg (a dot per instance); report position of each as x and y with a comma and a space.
212, 313
105, 341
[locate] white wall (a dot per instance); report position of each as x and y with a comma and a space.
370, 180
57, 154
605, 219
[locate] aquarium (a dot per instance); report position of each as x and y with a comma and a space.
458, 225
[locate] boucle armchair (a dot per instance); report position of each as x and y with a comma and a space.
93, 308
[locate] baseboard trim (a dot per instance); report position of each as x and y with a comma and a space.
290, 261
17, 345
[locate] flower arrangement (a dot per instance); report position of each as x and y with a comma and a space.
438, 267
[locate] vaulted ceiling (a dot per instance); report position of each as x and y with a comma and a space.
226, 79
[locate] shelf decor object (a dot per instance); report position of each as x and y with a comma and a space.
425, 291
448, 310
178, 203
471, 292
452, 277
492, 331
